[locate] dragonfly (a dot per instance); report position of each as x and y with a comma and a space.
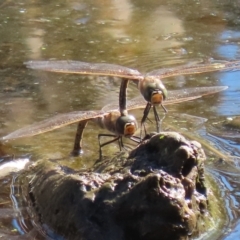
109, 118
150, 84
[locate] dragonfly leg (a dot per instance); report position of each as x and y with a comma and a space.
136, 139
165, 110
116, 138
149, 120
164, 114
120, 143
157, 118
77, 148
122, 146
145, 115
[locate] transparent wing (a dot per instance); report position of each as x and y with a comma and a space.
174, 96
61, 120
52, 123
101, 69
181, 95
196, 68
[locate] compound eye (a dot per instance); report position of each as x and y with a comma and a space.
129, 129
126, 125
157, 98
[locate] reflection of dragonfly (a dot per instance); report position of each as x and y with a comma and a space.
150, 84
108, 117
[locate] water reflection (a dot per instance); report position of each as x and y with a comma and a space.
229, 182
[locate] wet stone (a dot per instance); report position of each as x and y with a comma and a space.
232, 124
156, 192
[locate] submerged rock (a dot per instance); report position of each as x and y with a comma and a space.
227, 128
157, 192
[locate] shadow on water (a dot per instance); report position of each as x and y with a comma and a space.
146, 35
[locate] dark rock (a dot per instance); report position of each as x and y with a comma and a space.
158, 192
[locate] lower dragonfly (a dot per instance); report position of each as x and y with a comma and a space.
118, 122
149, 84
110, 118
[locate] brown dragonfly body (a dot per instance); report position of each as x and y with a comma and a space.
111, 122
150, 85
119, 123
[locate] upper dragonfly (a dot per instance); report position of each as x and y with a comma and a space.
110, 118
149, 84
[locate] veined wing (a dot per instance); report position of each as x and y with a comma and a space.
174, 96
177, 96
53, 123
77, 67
181, 95
195, 69
61, 120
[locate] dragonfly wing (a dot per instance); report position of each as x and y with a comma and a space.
135, 103
111, 107
52, 123
77, 67
182, 95
197, 68
174, 96
140, 103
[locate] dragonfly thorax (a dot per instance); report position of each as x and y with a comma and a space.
126, 125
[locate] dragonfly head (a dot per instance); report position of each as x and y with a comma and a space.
126, 125
157, 97
153, 90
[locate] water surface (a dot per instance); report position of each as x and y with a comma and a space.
144, 35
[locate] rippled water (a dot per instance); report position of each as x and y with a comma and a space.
145, 35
